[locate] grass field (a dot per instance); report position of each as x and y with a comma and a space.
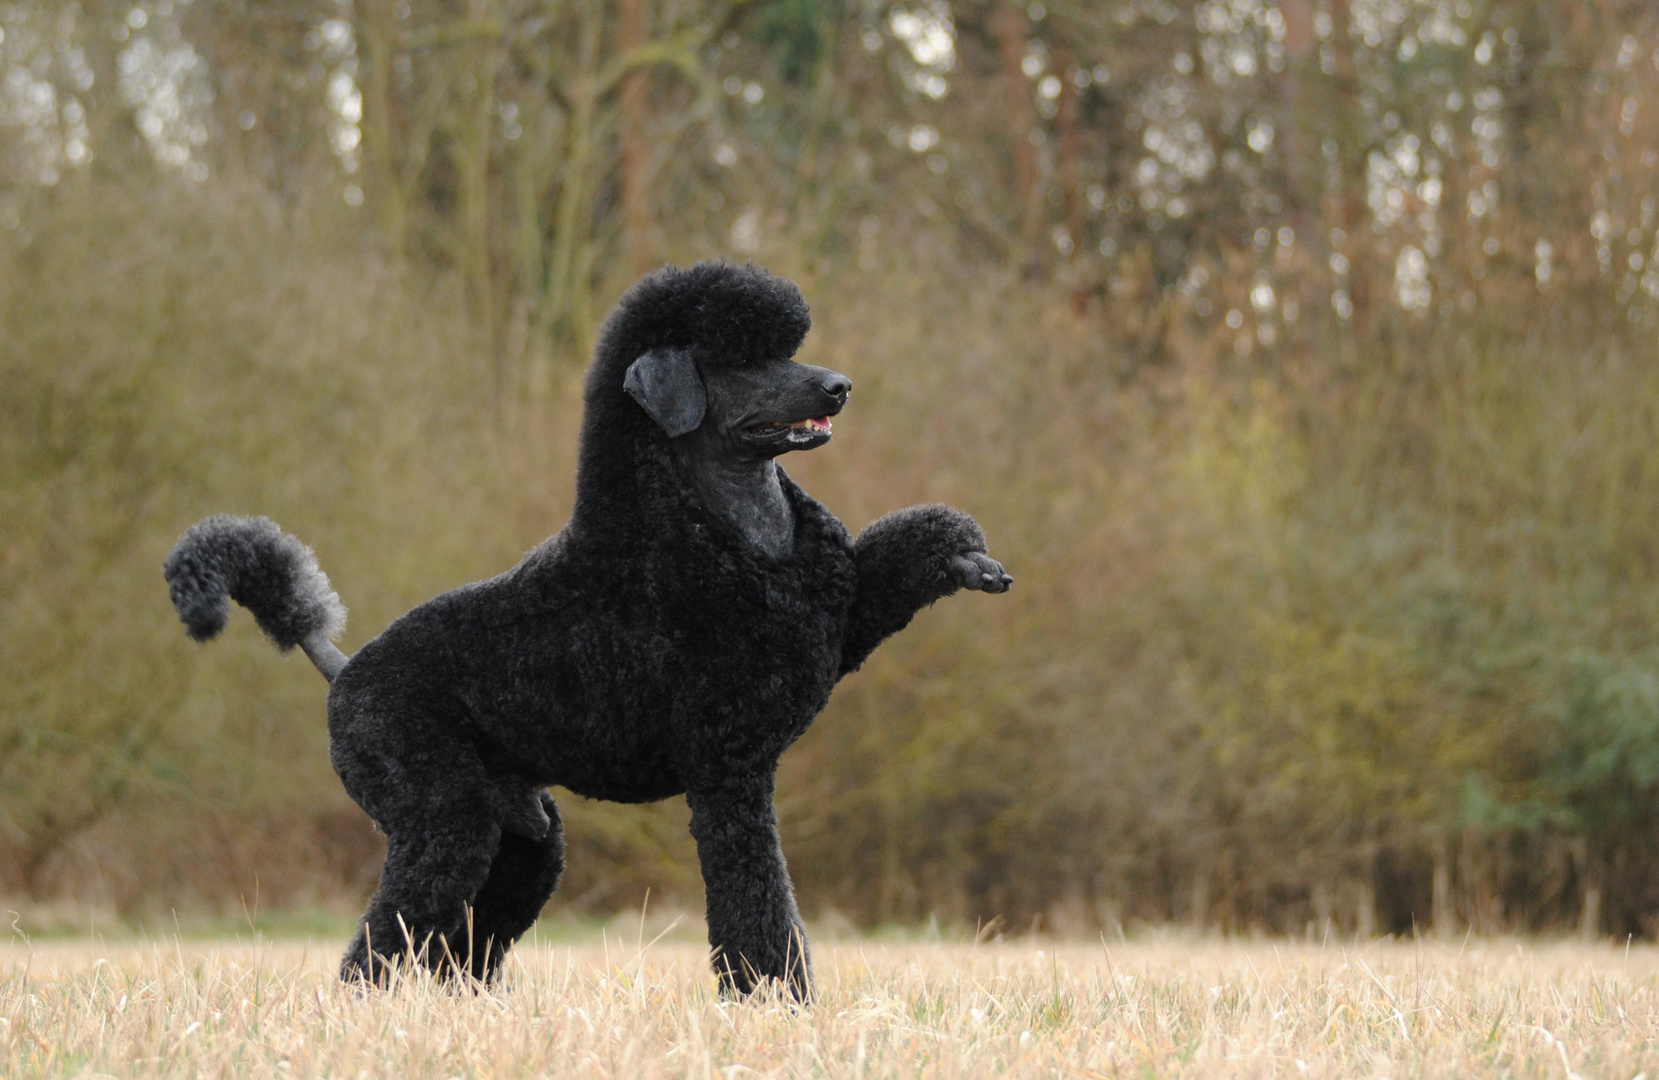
1163, 1007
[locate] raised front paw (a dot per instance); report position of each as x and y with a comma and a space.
977, 570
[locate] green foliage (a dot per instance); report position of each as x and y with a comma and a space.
798, 32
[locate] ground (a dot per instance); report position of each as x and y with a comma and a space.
609, 1007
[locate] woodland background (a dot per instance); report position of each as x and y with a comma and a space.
1301, 360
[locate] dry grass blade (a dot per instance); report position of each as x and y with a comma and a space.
1166, 1008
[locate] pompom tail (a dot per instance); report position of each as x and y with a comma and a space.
252, 561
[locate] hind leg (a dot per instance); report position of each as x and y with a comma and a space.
522, 878
414, 767
435, 868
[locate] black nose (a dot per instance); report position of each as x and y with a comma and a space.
837, 386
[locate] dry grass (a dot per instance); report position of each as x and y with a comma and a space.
1160, 1008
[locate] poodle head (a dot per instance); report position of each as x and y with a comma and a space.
703, 354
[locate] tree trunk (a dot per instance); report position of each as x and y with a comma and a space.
1353, 211
1442, 913
472, 167
632, 32
1198, 904
376, 32
1589, 912
1301, 60
570, 253
1365, 911
1009, 26
1067, 155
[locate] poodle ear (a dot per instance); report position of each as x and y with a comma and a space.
666, 385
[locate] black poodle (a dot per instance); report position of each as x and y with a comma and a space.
676, 636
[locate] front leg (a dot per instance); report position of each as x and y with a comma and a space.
754, 927
907, 560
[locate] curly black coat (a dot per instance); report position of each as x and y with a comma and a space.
644, 651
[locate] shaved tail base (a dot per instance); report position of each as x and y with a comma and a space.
324, 654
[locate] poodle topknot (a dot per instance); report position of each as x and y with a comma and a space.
675, 637
725, 315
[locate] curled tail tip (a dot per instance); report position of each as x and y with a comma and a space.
252, 561
203, 615
195, 586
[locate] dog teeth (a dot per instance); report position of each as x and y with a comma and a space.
804, 430
800, 427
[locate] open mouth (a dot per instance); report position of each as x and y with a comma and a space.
812, 430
